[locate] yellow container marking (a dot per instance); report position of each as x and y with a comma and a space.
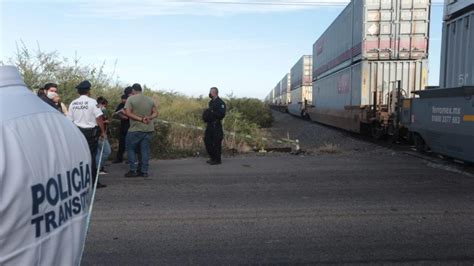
468, 118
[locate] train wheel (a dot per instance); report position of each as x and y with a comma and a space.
419, 142
376, 131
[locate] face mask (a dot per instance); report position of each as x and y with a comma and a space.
210, 95
51, 95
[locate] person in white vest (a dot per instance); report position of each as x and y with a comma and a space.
87, 116
45, 179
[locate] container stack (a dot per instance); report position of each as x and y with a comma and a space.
358, 59
457, 67
301, 86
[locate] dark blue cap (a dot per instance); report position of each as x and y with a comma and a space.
85, 85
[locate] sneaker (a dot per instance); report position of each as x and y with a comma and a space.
100, 185
144, 174
103, 172
132, 174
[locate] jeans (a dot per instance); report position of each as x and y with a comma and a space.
105, 153
138, 139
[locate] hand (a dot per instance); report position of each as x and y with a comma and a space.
102, 136
146, 120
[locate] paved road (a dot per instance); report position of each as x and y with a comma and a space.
367, 207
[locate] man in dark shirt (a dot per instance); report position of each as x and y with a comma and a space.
124, 125
214, 133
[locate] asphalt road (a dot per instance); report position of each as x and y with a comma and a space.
346, 208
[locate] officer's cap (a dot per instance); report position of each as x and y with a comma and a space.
85, 85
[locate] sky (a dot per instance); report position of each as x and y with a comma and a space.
185, 46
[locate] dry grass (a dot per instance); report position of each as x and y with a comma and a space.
329, 148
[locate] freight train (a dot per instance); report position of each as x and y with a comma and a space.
369, 74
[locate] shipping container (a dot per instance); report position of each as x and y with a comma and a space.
359, 93
285, 84
457, 52
373, 30
301, 99
453, 8
302, 72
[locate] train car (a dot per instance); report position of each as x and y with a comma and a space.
301, 86
359, 59
442, 119
363, 95
285, 84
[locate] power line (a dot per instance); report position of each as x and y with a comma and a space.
273, 3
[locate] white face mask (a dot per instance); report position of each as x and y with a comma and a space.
51, 95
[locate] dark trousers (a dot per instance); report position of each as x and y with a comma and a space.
121, 148
92, 137
213, 140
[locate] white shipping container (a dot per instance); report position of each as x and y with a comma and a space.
300, 99
457, 52
277, 89
342, 98
285, 88
380, 30
452, 7
302, 72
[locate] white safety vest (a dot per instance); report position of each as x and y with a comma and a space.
84, 111
45, 179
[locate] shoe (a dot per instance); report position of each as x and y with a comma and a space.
144, 174
117, 161
132, 174
215, 162
209, 161
100, 185
103, 172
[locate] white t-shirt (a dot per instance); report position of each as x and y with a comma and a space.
83, 111
45, 179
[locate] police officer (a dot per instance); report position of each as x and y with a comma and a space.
214, 133
35, 179
88, 118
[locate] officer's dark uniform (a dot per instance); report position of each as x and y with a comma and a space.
214, 133
124, 125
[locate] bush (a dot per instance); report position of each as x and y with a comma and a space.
245, 116
253, 110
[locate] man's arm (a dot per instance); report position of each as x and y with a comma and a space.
129, 112
100, 123
154, 113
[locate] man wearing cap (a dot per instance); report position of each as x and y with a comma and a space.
85, 114
214, 134
35, 179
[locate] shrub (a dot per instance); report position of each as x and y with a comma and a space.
245, 116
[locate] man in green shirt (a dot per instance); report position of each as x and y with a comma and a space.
141, 110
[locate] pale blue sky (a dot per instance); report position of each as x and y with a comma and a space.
186, 46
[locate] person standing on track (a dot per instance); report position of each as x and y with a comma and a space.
214, 133
85, 114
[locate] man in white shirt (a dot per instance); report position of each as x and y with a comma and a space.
45, 179
85, 114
